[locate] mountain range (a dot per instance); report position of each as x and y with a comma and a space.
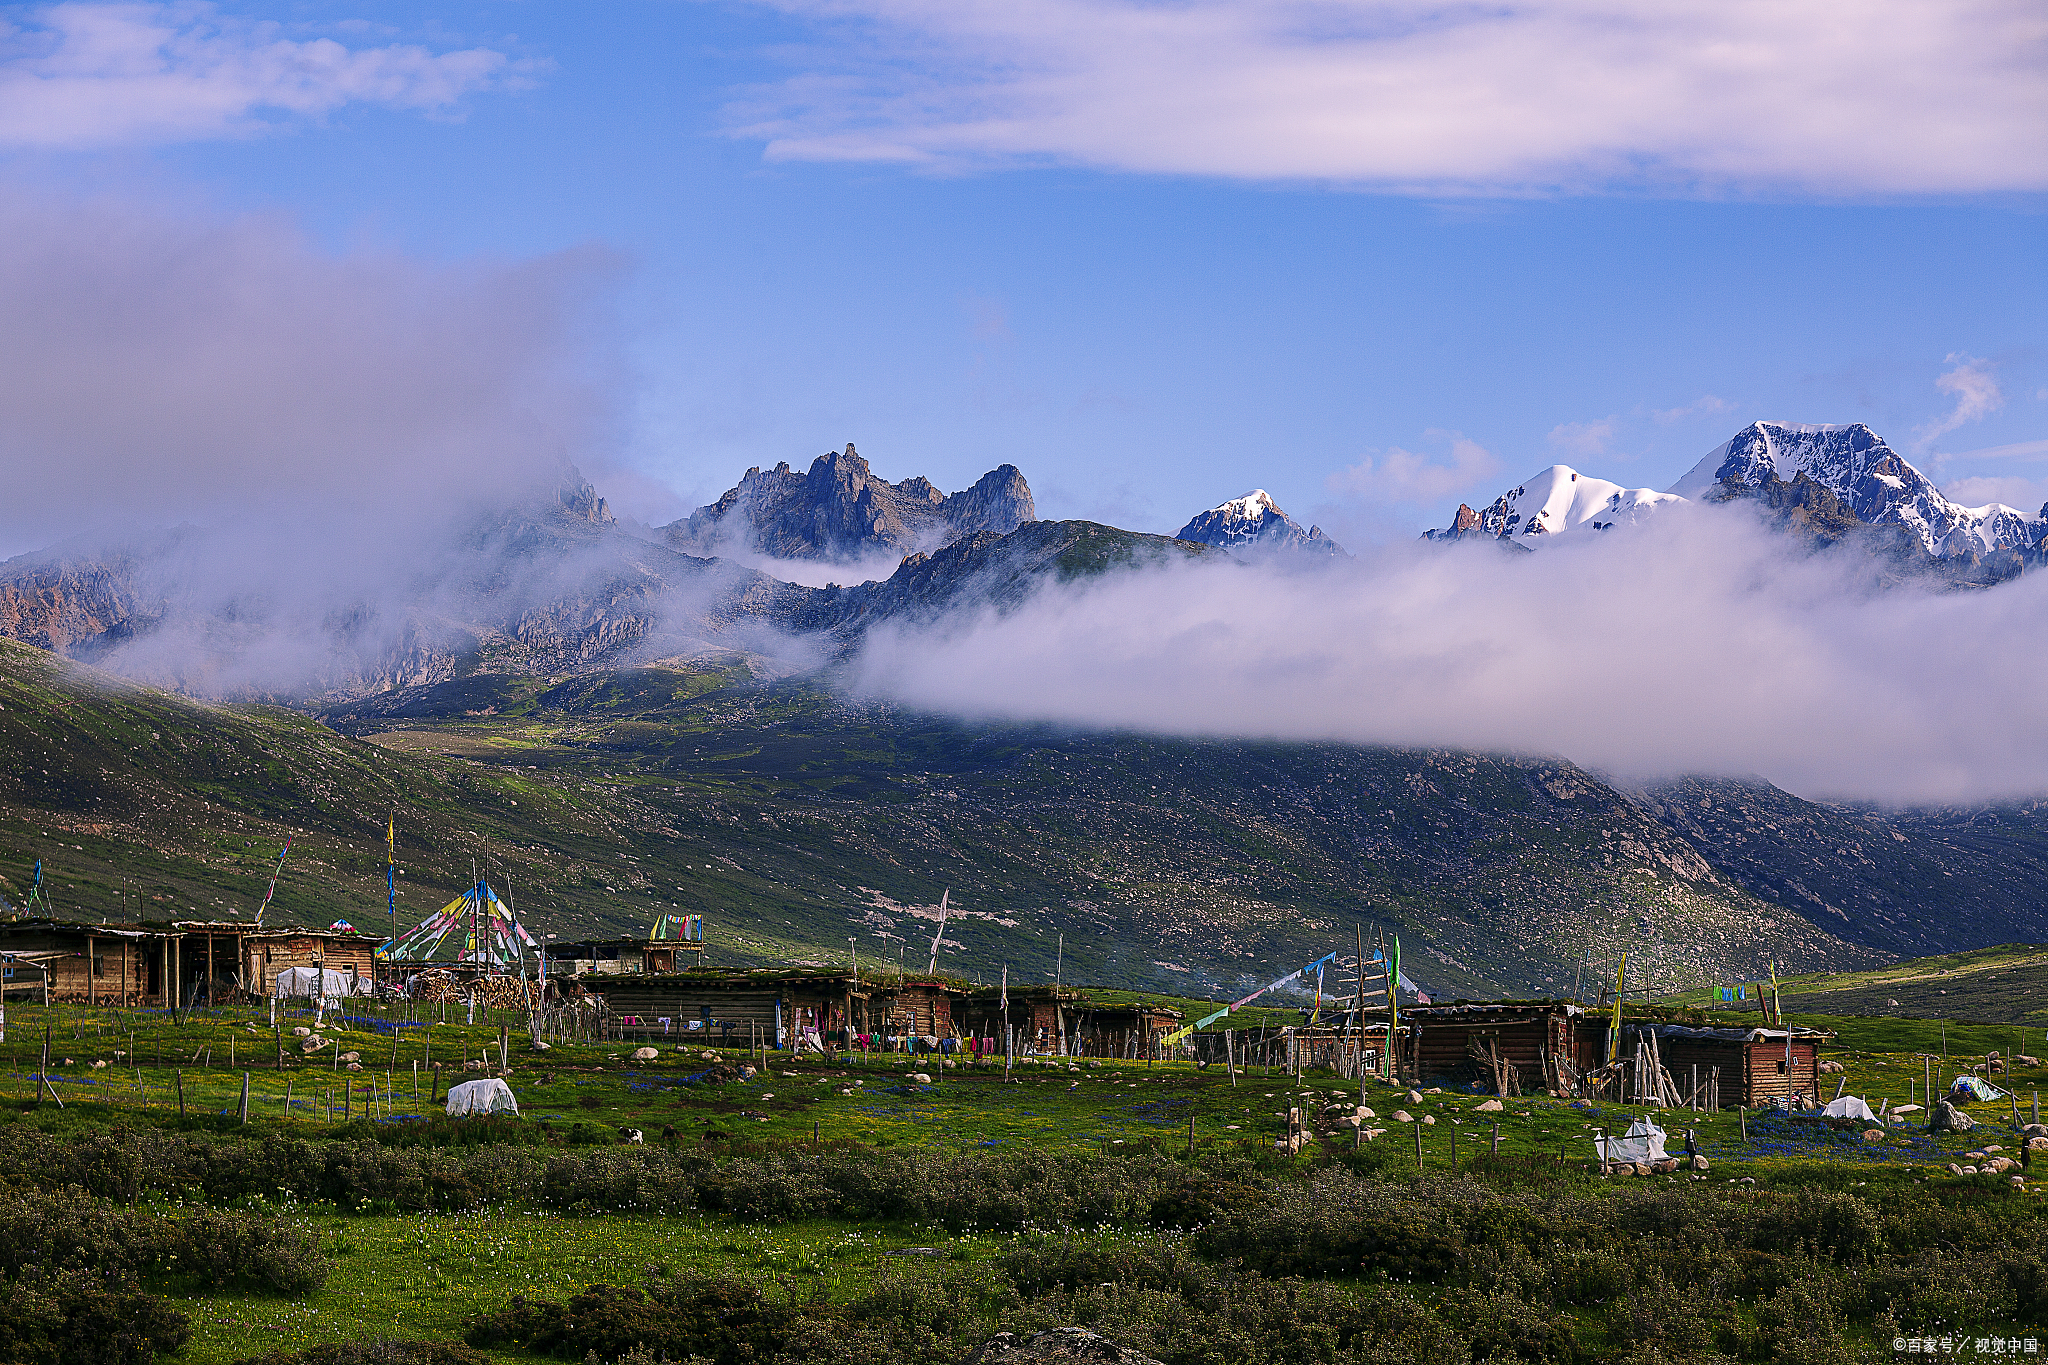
605, 711
1855, 481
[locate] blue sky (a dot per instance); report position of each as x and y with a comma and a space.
966, 235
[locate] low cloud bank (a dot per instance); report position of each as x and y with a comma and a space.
1702, 643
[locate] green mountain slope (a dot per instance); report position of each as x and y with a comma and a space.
797, 821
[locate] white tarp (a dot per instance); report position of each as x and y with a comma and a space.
325, 983
1644, 1141
1849, 1107
481, 1097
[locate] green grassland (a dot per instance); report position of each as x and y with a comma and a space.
2007, 984
413, 1275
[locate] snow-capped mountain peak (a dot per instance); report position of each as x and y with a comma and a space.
1255, 522
1553, 502
1877, 484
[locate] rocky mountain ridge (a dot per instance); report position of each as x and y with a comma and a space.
840, 509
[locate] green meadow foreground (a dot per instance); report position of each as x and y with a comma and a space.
838, 1209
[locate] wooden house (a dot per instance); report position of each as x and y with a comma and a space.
1756, 1068
1518, 1045
263, 953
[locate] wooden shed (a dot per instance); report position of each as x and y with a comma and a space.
95, 964
264, 953
1756, 1068
1525, 1045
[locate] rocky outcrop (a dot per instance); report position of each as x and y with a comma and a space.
841, 509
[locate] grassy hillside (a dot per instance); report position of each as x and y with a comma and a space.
797, 821
2003, 985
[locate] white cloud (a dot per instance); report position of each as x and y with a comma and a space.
1583, 439
2017, 450
2027, 495
85, 75
1403, 476
1707, 405
1688, 96
1969, 381
1704, 643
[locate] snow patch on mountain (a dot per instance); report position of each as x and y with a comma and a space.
1878, 485
1255, 522
1558, 501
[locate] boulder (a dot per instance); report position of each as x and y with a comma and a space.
2022, 1059
1699, 1163
1641, 1168
1429, 1120
921, 1077
1666, 1166
1832, 1068
302, 1032
1946, 1118
2038, 1144
1366, 1113
1873, 1135
1999, 1165
1057, 1346
351, 1056
646, 1054
1413, 1097
1488, 1107
1402, 1116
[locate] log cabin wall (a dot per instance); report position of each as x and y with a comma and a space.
1769, 1079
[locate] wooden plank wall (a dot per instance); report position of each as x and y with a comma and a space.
1767, 1084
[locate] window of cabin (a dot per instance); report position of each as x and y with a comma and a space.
1781, 1066
99, 965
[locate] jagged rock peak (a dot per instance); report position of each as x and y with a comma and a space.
841, 509
1255, 522
580, 500
1871, 479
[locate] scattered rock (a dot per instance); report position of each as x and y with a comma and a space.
1832, 1068
2022, 1059
921, 1078
302, 1032
1059, 1346
1998, 1165
1366, 1113
1413, 1097
1402, 1116
1699, 1163
1429, 1120
646, 1054
1489, 1107
1640, 1168
1873, 1135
